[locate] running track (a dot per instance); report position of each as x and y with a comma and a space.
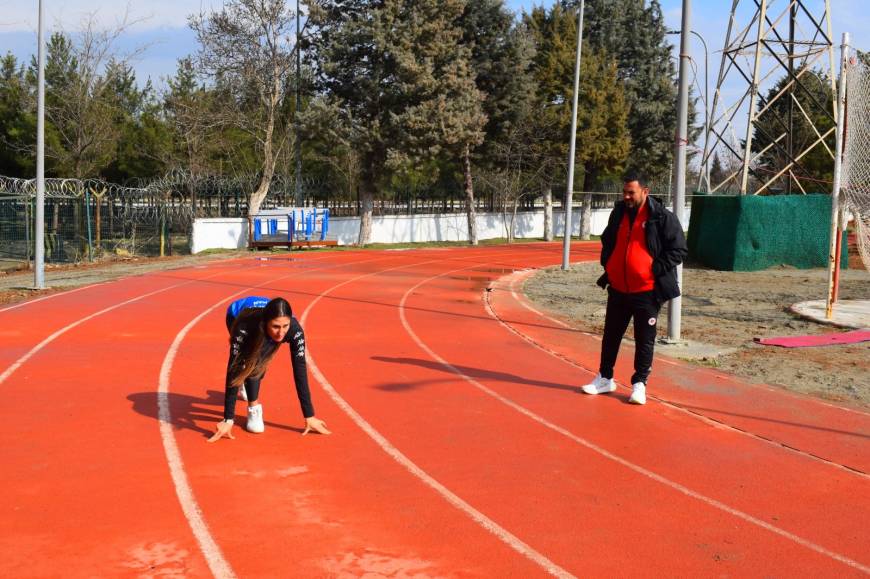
460, 444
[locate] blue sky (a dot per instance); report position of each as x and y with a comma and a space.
160, 25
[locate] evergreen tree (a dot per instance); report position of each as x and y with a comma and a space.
602, 133
500, 60
635, 34
816, 168
399, 75
17, 122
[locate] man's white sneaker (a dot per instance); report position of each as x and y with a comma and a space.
255, 419
600, 385
243, 394
638, 393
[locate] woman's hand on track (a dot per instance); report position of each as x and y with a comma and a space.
224, 428
316, 425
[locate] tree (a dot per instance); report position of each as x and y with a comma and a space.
401, 79
816, 99
17, 122
189, 108
634, 33
144, 144
443, 107
246, 49
78, 104
500, 59
602, 133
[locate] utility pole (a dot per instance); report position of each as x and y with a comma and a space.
680, 146
299, 201
39, 233
569, 191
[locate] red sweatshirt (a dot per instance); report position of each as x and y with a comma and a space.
629, 268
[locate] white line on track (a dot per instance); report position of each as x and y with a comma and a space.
54, 295
214, 557
607, 454
211, 551
17, 364
673, 405
500, 532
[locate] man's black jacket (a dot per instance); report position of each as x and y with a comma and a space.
664, 240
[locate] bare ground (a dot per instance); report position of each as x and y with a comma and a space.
727, 310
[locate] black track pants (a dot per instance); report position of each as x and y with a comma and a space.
621, 308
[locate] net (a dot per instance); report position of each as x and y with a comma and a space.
855, 178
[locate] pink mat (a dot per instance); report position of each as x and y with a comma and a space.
817, 340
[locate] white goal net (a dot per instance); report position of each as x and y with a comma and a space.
855, 178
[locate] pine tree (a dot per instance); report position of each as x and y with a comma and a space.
17, 122
815, 169
635, 34
399, 75
500, 59
602, 133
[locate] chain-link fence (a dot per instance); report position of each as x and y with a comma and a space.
92, 219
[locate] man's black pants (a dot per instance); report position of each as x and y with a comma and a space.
621, 308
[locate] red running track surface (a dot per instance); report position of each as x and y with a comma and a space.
460, 445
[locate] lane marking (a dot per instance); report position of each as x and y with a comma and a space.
674, 405
17, 364
618, 459
497, 530
211, 551
214, 557
54, 295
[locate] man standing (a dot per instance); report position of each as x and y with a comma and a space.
641, 248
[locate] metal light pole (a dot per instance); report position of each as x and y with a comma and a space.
836, 239
682, 141
704, 176
296, 117
569, 191
39, 233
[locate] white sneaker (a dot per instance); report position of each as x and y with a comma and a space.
243, 394
600, 385
638, 393
255, 419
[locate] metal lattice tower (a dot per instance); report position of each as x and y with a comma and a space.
782, 45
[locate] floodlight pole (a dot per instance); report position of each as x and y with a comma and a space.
298, 108
834, 253
569, 190
39, 233
680, 146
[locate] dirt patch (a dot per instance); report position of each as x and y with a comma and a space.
728, 310
16, 284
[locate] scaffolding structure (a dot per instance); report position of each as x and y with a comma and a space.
774, 50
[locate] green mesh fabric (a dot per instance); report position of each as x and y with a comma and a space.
750, 233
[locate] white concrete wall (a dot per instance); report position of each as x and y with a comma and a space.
219, 233
232, 233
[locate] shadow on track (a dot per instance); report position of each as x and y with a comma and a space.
476, 373
193, 413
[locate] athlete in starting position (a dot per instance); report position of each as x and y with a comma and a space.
258, 326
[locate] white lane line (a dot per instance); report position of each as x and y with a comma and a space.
17, 364
211, 551
214, 557
497, 530
618, 459
696, 415
54, 295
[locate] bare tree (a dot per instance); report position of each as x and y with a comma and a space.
80, 103
520, 169
247, 48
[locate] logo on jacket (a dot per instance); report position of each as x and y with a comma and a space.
652, 321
